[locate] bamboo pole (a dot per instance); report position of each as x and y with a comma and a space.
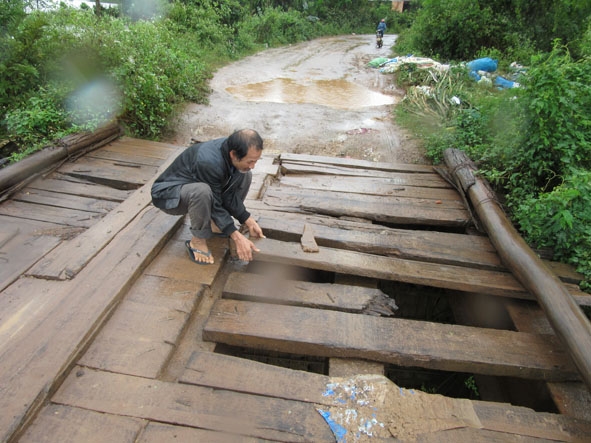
568, 321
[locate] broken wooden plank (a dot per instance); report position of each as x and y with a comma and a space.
193, 406
369, 185
307, 239
68, 201
268, 289
242, 375
50, 214
307, 331
521, 421
393, 210
44, 346
431, 180
70, 185
119, 175
396, 269
431, 246
355, 163
67, 260
21, 244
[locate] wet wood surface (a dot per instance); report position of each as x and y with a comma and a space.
108, 332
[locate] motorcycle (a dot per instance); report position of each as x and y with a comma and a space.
379, 40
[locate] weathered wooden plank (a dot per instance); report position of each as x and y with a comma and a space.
398, 187
67, 260
231, 373
22, 242
392, 210
69, 201
430, 246
43, 346
355, 163
265, 168
521, 421
160, 433
119, 175
156, 146
194, 406
130, 150
251, 287
51, 214
70, 185
64, 424
401, 342
144, 150
570, 398
137, 340
425, 180
175, 294
241, 375
396, 269
173, 262
307, 239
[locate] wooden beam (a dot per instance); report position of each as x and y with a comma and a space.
193, 406
392, 269
400, 342
394, 210
251, 287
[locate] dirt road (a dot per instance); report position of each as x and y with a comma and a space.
318, 97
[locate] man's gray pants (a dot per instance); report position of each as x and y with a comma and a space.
196, 200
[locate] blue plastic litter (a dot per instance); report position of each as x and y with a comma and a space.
504, 83
486, 64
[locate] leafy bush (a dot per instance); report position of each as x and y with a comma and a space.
274, 27
38, 122
561, 220
451, 30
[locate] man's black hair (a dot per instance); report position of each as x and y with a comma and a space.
240, 141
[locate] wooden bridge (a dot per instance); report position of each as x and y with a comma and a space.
375, 310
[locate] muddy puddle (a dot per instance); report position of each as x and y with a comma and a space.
337, 94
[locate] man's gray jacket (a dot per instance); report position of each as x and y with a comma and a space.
210, 163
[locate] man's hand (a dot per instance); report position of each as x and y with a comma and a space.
244, 247
254, 229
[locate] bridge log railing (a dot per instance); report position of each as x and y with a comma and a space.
570, 324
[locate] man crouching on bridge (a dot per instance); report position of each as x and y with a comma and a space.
209, 181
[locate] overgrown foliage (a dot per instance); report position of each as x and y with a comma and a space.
533, 142
67, 70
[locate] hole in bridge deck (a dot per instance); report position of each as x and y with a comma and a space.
415, 302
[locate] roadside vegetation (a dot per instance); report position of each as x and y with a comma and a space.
65, 70
532, 142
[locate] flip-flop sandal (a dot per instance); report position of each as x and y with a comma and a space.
191, 251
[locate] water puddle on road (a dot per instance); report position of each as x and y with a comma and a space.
339, 94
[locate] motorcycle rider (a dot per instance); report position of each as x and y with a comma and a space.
382, 27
